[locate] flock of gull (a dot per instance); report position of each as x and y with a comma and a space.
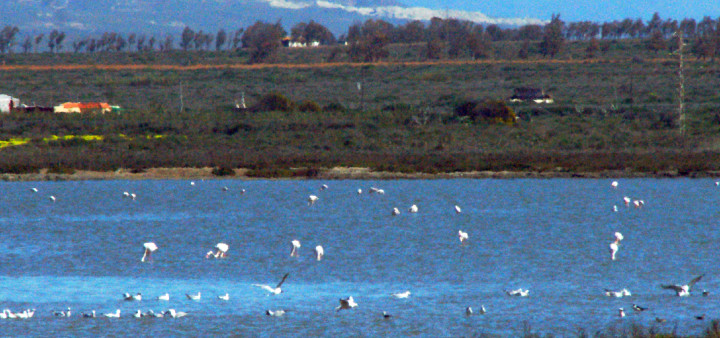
220, 252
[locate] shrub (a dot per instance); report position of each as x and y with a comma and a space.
223, 171
488, 111
309, 106
333, 107
273, 102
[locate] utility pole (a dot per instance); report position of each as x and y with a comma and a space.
681, 85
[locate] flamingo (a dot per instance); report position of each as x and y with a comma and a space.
346, 304
319, 252
274, 290
615, 246
150, 247
295, 246
312, 199
463, 236
222, 249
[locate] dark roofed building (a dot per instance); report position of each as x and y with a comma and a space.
536, 95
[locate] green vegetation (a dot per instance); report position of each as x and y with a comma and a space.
617, 111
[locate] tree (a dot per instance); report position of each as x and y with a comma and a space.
237, 38
553, 39
27, 44
368, 42
38, 39
187, 37
51, 39
131, 41
7, 38
59, 40
220, 39
413, 31
656, 41
592, 48
262, 39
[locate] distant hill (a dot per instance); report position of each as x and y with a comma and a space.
90, 17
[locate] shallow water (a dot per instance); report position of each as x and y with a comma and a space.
549, 236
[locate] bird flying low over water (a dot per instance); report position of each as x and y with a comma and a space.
274, 290
682, 290
295, 247
346, 304
150, 247
518, 292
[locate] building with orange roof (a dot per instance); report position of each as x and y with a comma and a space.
83, 107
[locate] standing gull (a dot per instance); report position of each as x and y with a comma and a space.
274, 290
150, 247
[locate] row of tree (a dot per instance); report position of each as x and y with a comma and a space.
451, 38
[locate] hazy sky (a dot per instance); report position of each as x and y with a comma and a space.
592, 10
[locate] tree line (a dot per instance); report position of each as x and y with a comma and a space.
444, 38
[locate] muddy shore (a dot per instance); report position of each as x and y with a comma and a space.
337, 173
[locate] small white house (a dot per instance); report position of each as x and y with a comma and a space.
5, 103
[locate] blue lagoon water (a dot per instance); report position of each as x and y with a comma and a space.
549, 236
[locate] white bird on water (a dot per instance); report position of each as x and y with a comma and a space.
295, 248
614, 184
457, 209
150, 247
222, 249
626, 200
226, 296
165, 297
346, 304
175, 314
618, 294
615, 246
621, 313
34, 189
52, 198
65, 313
359, 191
115, 314
276, 313
413, 208
312, 199
193, 297
395, 211
405, 294
135, 297
682, 290
323, 187
319, 252
274, 290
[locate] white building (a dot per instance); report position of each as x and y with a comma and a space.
5, 101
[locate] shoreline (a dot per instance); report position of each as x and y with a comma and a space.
337, 173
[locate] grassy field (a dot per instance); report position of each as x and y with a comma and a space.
615, 112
